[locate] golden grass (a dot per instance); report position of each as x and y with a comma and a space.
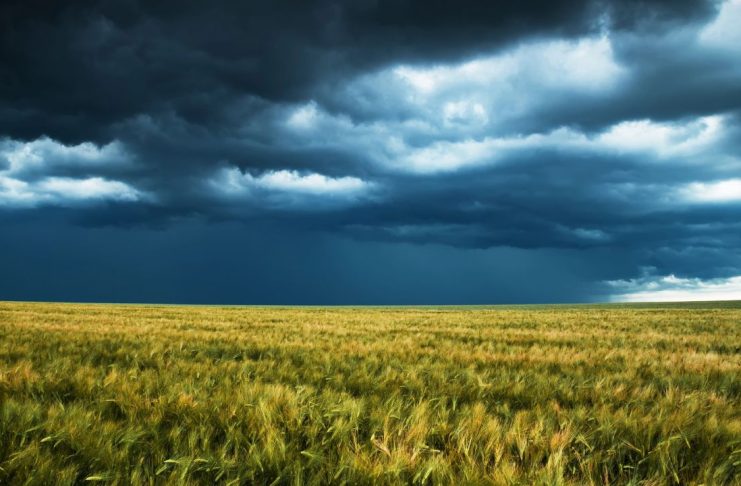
536, 395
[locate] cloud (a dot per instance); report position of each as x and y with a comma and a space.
289, 189
63, 191
713, 192
29, 176
686, 137
45, 155
657, 141
292, 181
304, 117
670, 288
487, 92
723, 33
582, 64
76, 71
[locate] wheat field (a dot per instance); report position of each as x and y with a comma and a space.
138, 394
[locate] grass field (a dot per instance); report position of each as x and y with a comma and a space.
127, 394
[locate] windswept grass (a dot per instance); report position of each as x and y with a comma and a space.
537, 395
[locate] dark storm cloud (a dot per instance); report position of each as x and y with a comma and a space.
523, 130
72, 70
671, 77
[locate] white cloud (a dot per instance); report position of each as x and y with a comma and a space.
446, 156
90, 188
63, 191
660, 141
304, 117
27, 176
45, 153
728, 190
724, 31
288, 187
465, 112
674, 289
448, 115
663, 139
494, 90
588, 63
285, 180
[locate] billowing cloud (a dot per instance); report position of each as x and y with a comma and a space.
74, 71
45, 172
63, 191
289, 188
713, 192
673, 142
45, 156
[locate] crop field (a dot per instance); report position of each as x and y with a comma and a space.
135, 394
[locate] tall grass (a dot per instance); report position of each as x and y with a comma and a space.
203, 395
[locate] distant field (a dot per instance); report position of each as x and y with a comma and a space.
127, 394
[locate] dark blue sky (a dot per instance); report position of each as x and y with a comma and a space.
370, 152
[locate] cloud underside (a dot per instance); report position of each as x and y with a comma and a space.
581, 125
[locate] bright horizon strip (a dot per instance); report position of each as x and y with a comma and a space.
680, 290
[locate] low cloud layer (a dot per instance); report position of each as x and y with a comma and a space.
598, 128
47, 173
673, 289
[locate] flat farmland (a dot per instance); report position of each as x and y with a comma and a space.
142, 394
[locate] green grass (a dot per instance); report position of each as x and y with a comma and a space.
126, 394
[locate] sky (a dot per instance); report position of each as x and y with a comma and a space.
370, 151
